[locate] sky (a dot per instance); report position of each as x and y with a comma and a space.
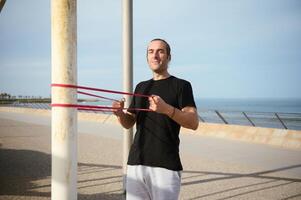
229, 49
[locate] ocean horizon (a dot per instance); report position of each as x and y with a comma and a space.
250, 105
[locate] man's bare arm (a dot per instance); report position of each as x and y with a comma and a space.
126, 119
187, 117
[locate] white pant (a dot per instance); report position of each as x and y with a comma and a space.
152, 183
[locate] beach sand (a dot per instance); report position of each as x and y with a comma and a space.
25, 168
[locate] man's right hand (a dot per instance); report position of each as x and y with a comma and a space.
126, 119
118, 107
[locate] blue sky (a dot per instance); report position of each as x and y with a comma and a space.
226, 49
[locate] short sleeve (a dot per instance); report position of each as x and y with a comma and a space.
186, 96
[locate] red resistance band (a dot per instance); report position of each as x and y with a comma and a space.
97, 108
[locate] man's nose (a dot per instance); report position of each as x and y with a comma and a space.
156, 55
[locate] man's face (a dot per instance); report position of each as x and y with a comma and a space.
157, 57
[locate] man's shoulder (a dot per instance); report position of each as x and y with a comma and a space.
146, 82
180, 81
143, 84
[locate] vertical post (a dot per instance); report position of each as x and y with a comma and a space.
64, 120
127, 59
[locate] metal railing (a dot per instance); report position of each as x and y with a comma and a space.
259, 119
290, 121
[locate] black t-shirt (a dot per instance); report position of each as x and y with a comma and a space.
156, 141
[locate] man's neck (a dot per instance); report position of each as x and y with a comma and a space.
160, 76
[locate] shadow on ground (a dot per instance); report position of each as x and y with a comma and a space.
27, 173
263, 175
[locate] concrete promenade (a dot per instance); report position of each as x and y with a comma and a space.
214, 168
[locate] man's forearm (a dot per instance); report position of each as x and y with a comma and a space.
126, 120
186, 117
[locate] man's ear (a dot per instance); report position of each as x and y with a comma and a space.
169, 57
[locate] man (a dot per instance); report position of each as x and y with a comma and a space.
154, 166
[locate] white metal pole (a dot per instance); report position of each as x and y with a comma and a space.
127, 59
64, 120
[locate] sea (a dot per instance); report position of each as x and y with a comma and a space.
271, 113
250, 105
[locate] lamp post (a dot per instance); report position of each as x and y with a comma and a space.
127, 59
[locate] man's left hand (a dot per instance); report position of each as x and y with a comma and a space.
158, 105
